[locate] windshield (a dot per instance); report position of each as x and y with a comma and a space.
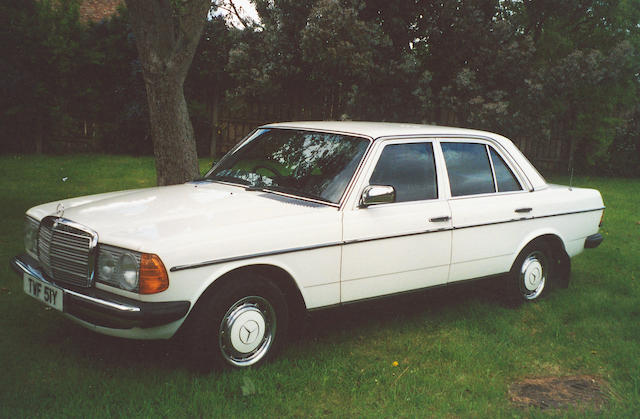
308, 164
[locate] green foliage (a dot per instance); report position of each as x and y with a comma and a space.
563, 72
113, 96
41, 41
208, 80
479, 62
67, 80
586, 62
530, 70
625, 148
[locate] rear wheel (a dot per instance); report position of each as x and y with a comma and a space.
531, 274
241, 324
532, 277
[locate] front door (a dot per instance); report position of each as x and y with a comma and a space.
399, 246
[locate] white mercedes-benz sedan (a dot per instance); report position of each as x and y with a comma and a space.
300, 216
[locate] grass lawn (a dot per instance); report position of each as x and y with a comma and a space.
457, 349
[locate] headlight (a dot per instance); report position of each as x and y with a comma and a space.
118, 267
31, 236
106, 266
128, 272
132, 271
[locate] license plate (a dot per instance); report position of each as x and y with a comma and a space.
48, 294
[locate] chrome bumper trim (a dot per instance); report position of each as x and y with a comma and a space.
28, 269
101, 308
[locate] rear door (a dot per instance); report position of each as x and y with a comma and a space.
489, 208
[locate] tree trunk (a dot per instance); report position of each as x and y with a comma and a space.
174, 145
167, 33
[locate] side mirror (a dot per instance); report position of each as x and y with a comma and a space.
377, 194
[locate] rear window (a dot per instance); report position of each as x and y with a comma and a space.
469, 168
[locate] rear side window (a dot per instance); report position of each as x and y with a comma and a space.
505, 179
410, 169
469, 168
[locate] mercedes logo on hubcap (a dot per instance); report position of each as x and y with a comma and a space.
249, 332
534, 276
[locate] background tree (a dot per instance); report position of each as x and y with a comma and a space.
585, 67
113, 100
167, 33
561, 79
208, 82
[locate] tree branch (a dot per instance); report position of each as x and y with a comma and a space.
235, 11
190, 16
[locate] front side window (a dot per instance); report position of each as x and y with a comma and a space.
469, 168
308, 164
410, 169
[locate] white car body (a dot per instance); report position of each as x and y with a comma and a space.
340, 252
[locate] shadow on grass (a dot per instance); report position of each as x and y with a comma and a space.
405, 307
106, 352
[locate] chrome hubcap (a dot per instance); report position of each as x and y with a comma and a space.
533, 275
247, 331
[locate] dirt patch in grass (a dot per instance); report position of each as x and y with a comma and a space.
583, 391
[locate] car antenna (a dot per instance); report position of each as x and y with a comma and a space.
571, 178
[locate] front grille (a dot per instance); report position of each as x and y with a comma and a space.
67, 251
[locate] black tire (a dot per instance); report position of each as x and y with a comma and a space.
532, 273
240, 324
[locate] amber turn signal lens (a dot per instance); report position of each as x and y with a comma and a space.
153, 275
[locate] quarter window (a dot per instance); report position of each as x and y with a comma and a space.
469, 168
504, 176
410, 169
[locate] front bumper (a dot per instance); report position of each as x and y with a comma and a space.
101, 308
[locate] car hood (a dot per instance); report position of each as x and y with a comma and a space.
191, 214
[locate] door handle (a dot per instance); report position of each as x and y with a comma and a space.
523, 210
440, 219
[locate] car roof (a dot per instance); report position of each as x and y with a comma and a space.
378, 129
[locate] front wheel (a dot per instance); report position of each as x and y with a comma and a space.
240, 324
247, 331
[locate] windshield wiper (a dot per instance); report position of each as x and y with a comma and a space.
256, 189
303, 194
286, 190
230, 179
